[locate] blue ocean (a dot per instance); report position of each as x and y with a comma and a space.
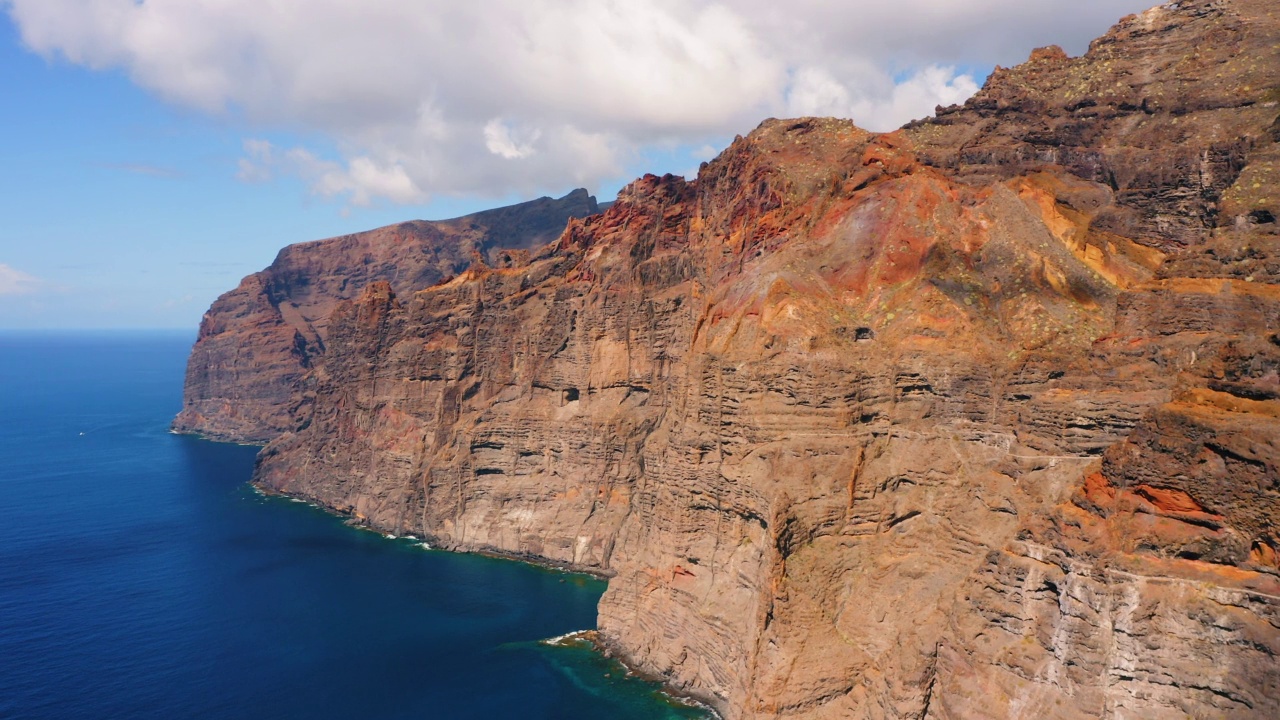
142, 577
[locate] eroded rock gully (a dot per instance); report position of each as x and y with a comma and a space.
980, 418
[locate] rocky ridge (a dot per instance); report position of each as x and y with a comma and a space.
980, 418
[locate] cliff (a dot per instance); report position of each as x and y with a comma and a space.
980, 418
247, 376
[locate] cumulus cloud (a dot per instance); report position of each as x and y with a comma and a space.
16, 282
498, 138
432, 96
878, 105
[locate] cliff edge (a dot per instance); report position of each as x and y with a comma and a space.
247, 375
979, 418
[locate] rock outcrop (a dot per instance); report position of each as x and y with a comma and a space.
247, 376
980, 418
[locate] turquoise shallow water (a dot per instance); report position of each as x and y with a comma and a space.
140, 577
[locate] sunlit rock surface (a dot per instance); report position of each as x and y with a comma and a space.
980, 418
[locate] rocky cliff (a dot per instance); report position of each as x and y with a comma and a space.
247, 377
980, 418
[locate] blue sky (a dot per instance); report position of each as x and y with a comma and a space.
155, 155
128, 211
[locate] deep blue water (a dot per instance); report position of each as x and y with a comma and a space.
141, 577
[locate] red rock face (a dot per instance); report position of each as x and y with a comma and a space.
974, 419
247, 377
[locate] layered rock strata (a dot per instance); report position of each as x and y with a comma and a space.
247, 376
980, 418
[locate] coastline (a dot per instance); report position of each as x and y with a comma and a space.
133, 545
593, 637
434, 543
598, 642
225, 440
603, 647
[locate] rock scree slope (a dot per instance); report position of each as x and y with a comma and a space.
979, 418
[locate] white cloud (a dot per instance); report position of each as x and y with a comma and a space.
16, 282
433, 96
498, 138
361, 180
878, 105
365, 178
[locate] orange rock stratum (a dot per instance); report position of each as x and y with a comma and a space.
979, 418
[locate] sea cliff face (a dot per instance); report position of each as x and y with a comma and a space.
980, 418
247, 379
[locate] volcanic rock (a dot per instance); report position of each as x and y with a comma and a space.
247, 375
979, 418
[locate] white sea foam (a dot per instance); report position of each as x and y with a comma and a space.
690, 702
424, 545
560, 639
